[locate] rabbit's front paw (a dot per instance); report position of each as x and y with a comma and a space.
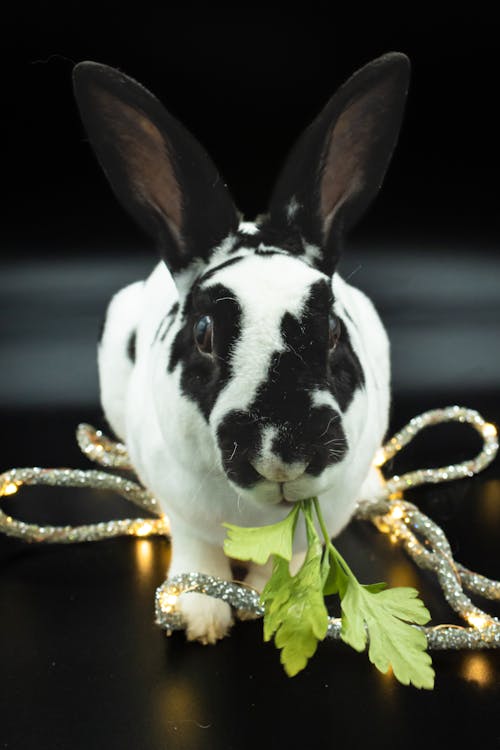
207, 619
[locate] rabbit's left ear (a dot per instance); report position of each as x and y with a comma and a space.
158, 171
338, 165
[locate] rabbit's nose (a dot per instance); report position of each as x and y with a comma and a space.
278, 471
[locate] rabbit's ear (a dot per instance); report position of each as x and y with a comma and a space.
158, 171
339, 163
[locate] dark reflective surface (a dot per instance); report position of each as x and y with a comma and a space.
83, 664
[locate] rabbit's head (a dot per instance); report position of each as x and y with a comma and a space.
257, 340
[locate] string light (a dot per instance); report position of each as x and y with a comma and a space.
168, 602
479, 620
489, 430
404, 523
142, 528
396, 512
380, 458
9, 488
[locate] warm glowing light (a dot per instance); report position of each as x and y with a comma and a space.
397, 512
168, 601
143, 529
477, 668
489, 430
478, 621
9, 489
144, 555
381, 524
380, 458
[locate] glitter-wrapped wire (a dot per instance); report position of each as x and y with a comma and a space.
106, 452
102, 450
423, 539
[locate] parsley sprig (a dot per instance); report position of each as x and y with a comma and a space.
295, 613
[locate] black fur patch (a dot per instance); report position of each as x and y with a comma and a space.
289, 241
203, 376
169, 319
208, 275
345, 372
131, 346
165, 324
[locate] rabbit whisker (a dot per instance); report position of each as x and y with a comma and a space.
234, 451
335, 416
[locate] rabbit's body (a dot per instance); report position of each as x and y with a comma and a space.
170, 441
249, 375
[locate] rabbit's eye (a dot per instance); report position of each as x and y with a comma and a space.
333, 331
204, 333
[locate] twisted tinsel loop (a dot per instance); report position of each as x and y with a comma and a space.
422, 539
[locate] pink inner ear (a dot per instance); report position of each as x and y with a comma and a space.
348, 154
145, 153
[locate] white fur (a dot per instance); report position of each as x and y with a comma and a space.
174, 450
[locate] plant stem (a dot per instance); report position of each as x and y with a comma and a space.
328, 541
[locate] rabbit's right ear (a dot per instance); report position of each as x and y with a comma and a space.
158, 171
338, 165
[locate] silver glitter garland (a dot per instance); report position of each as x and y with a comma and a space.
422, 539
106, 452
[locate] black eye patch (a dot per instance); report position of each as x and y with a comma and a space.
203, 378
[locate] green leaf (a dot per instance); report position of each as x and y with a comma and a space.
275, 596
257, 543
393, 642
294, 607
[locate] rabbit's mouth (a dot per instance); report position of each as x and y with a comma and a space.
284, 502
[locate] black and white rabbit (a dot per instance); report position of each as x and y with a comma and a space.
244, 374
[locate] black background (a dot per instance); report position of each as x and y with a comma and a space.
83, 665
246, 82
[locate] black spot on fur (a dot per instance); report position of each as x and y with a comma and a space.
261, 251
208, 275
203, 376
158, 329
346, 374
268, 236
169, 319
165, 324
131, 346
348, 316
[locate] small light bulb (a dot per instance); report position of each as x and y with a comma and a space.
9, 489
380, 458
478, 621
489, 430
397, 512
168, 602
143, 529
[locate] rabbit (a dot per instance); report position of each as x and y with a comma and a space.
244, 374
